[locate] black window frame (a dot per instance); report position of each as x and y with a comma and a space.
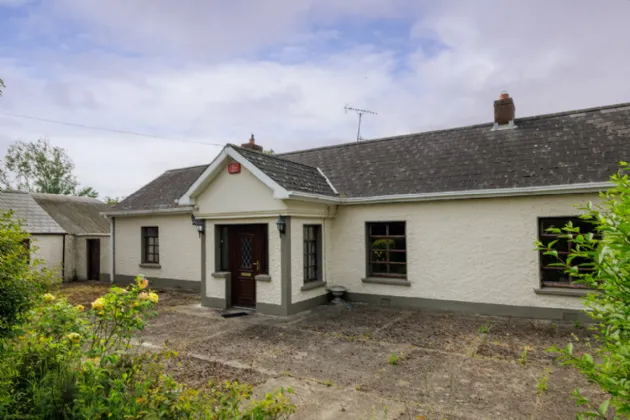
563, 248
312, 246
369, 236
150, 251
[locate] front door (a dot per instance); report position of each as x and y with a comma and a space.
93, 259
248, 259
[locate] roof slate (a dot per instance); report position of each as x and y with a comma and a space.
26, 209
290, 175
564, 148
162, 192
75, 215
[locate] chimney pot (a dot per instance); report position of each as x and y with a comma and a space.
504, 109
251, 145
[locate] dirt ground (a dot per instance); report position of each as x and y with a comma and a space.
85, 292
340, 361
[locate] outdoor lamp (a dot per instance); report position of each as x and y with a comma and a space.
282, 225
198, 223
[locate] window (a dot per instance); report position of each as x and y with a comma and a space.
150, 245
312, 253
222, 246
387, 249
553, 276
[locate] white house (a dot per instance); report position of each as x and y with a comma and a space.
444, 219
67, 233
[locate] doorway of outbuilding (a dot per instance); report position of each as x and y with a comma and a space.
93, 247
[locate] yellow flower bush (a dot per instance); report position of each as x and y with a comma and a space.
74, 337
98, 304
48, 297
81, 308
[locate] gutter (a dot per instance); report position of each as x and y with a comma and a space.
63, 258
457, 195
112, 250
175, 210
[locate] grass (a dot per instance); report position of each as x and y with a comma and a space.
524, 355
541, 385
393, 359
485, 328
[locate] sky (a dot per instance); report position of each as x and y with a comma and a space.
216, 71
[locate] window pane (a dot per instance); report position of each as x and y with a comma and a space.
555, 276
246, 252
379, 268
398, 256
397, 229
398, 243
378, 256
378, 229
399, 269
382, 243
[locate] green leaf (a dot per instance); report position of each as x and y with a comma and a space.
603, 407
570, 348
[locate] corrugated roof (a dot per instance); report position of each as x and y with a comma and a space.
76, 215
25, 208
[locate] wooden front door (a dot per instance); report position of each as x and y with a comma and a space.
248, 259
93, 259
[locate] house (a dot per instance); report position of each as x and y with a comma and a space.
67, 233
444, 219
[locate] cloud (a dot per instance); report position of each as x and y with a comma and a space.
209, 72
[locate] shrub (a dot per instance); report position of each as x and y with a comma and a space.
607, 254
67, 363
19, 284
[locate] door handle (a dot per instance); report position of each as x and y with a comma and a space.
256, 264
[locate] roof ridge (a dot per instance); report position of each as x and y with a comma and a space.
466, 127
185, 167
275, 157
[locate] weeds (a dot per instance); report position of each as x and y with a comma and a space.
541, 386
393, 359
485, 328
525, 354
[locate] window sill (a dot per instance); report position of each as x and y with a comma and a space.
313, 285
222, 275
387, 280
262, 277
150, 265
561, 291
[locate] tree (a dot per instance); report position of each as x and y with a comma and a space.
112, 201
41, 167
269, 152
1, 86
601, 260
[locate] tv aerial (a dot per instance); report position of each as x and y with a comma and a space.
360, 113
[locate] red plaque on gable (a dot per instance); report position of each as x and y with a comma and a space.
234, 168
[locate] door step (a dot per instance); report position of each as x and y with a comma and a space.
233, 313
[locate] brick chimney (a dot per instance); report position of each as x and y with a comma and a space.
251, 145
504, 111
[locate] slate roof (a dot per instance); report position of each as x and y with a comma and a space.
76, 215
162, 192
563, 148
573, 147
290, 175
26, 209
52, 213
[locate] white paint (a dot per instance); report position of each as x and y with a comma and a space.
297, 258
180, 247
49, 250
474, 250
81, 256
266, 292
217, 168
237, 193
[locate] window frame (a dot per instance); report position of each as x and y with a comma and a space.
316, 241
369, 249
146, 230
543, 237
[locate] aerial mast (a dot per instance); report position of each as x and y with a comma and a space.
360, 113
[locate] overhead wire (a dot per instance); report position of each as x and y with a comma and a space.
111, 130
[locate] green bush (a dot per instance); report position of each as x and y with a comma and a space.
59, 361
66, 363
607, 254
19, 284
